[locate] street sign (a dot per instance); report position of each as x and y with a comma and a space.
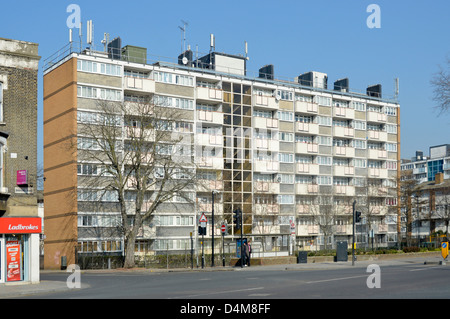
444, 250
223, 228
203, 219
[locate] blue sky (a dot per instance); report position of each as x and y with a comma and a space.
296, 36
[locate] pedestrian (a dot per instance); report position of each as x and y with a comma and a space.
246, 254
249, 253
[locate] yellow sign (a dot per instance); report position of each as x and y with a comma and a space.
444, 249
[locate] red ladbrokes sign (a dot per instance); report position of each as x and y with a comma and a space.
20, 225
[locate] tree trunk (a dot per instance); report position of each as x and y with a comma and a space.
130, 242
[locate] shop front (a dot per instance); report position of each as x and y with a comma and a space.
19, 249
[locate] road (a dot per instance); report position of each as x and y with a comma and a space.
403, 280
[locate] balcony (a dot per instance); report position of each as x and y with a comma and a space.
210, 117
265, 101
344, 190
209, 140
306, 189
343, 229
266, 187
307, 128
377, 154
341, 131
377, 135
208, 94
136, 133
378, 172
344, 170
209, 185
210, 162
264, 209
139, 84
265, 123
307, 230
376, 117
267, 144
345, 151
266, 166
306, 148
306, 107
344, 112
307, 168
377, 191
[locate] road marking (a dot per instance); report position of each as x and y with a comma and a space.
220, 292
335, 279
426, 268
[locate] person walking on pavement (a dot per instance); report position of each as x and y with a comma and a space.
249, 253
246, 254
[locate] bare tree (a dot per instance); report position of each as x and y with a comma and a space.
143, 154
441, 88
443, 206
407, 185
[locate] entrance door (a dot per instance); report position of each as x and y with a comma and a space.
2, 259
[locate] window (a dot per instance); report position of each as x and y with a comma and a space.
303, 98
324, 160
286, 137
360, 144
286, 157
340, 103
303, 119
322, 100
286, 178
284, 95
286, 199
179, 103
103, 68
324, 180
325, 140
359, 106
359, 125
173, 78
259, 113
324, 120
391, 147
285, 116
391, 128
359, 162
1, 101
96, 93
389, 110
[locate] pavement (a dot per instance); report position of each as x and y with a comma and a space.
23, 289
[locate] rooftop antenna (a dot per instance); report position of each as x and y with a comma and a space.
81, 36
212, 45
90, 32
105, 41
396, 88
183, 35
246, 50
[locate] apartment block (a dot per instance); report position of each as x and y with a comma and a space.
287, 153
20, 222
427, 209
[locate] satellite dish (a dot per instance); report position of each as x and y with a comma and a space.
185, 60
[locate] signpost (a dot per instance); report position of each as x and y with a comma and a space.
202, 230
444, 251
223, 228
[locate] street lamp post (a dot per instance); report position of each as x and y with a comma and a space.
212, 228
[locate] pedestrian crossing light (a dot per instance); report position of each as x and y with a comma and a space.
357, 217
237, 219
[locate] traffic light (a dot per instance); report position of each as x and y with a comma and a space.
237, 219
201, 230
357, 217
